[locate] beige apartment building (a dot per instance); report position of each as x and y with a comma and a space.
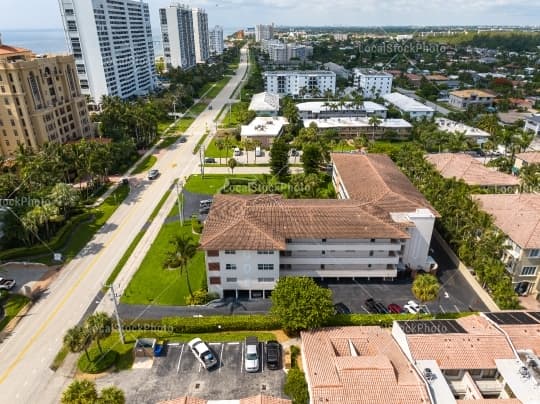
40, 100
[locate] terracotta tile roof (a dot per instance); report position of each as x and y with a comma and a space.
467, 168
476, 349
380, 373
8, 50
374, 179
259, 222
261, 399
490, 401
529, 157
517, 215
184, 400
524, 336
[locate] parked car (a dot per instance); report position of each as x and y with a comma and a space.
204, 210
251, 361
203, 353
237, 151
209, 160
395, 308
294, 152
205, 202
7, 284
341, 308
273, 355
153, 174
258, 152
374, 306
412, 307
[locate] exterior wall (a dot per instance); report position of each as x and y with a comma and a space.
419, 114
346, 112
417, 247
372, 85
464, 103
200, 35
516, 259
533, 126
178, 36
292, 83
351, 132
41, 102
264, 141
112, 45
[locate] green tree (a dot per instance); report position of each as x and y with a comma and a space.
374, 121
64, 196
184, 249
76, 339
301, 304
279, 160
311, 158
111, 395
425, 288
99, 326
80, 392
232, 163
296, 386
220, 145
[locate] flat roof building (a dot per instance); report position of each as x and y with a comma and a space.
478, 135
264, 129
353, 126
264, 104
372, 83
408, 105
462, 99
329, 109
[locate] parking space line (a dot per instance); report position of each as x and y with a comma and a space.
262, 357
242, 358
221, 357
174, 344
180, 358
366, 310
442, 308
233, 343
457, 309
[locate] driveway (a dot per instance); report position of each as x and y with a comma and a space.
24, 274
178, 373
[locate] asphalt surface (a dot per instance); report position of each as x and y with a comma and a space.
25, 376
178, 373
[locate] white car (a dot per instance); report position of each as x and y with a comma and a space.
203, 353
7, 284
414, 308
251, 362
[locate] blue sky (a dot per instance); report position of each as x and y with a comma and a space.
27, 14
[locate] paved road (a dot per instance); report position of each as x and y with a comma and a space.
411, 94
25, 376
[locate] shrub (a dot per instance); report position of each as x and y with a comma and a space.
226, 323
98, 362
200, 297
296, 386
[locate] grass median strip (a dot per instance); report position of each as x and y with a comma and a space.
13, 305
145, 165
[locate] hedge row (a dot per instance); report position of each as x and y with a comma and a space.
56, 243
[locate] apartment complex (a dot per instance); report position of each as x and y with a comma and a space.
518, 217
264, 129
335, 109
264, 31
372, 83
40, 100
216, 40
282, 53
200, 35
478, 135
409, 106
463, 99
532, 124
112, 44
350, 127
379, 225
312, 83
178, 36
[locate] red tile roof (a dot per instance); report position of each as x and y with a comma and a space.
8, 50
378, 372
529, 157
259, 399
524, 336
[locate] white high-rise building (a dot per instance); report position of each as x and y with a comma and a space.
372, 82
112, 44
264, 32
216, 40
200, 34
177, 34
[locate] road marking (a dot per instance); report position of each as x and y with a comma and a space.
221, 358
457, 309
366, 310
442, 309
179, 359
233, 343
242, 358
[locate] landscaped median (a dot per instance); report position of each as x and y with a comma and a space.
12, 306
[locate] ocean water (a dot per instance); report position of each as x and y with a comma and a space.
54, 41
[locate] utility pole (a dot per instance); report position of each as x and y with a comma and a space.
201, 158
118, 322
180, 201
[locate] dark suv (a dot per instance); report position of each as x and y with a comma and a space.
273, 355
374, 306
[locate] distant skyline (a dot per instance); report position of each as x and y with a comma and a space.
38, 14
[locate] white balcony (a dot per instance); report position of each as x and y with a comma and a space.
339, 261
341, 273
356, 246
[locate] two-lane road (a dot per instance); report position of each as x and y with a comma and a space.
25, 357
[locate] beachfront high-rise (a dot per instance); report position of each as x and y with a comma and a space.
216, 40
200, 34
112, 44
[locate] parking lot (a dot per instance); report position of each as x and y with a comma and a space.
178, 373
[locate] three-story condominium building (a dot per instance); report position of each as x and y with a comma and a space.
313, 83
112, 44
40, 100
178, 37
379, 225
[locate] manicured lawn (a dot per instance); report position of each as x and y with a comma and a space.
124, 352
210, 184
12, 307
182, 125
86, 231
344, 146
167, 141
152, 283
145, 165
162, 126
227, 152
214, 91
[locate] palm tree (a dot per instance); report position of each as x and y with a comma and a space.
112, 395
426, 288
232, 163
64, 196
99, 326
247, 145
80, 392
374, 121
185, 249
220, 145
76, 339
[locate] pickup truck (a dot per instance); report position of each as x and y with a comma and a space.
7, 284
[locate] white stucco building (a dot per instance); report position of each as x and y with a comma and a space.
252, 240
264, 31
372, 83
178, 36
200, 35
312, 83
408, 105
112, 45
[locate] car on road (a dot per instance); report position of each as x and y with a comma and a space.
7, 284
209, 160
251, 361
205, 203
395, 308
341, 308
273, 355
204, 210
203, 353
210, 107
153, 174
294, 152
183, 139
374, 306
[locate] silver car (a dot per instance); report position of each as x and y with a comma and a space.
251, 362
203, 353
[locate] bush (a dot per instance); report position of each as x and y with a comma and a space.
296, 386
196, 225
192, 325
98, 362
200, 297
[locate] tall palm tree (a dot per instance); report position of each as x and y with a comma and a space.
99, 326
220, 145
185, 249
76, 339
374, 121
426, 288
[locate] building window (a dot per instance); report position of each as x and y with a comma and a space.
230, 267
230, 252
212, 253
265, 267
265, 279
231, 279
213, 266
528, 271
215, 280
534, 252
265, 252
285, 266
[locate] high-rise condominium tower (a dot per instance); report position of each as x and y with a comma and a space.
216, 40
112, 44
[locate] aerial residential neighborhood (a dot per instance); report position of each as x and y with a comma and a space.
263, 203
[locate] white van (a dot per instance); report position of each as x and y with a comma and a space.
237, 151
258, 152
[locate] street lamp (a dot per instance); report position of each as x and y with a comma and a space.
179, 200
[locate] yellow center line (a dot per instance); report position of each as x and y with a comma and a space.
61, 304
